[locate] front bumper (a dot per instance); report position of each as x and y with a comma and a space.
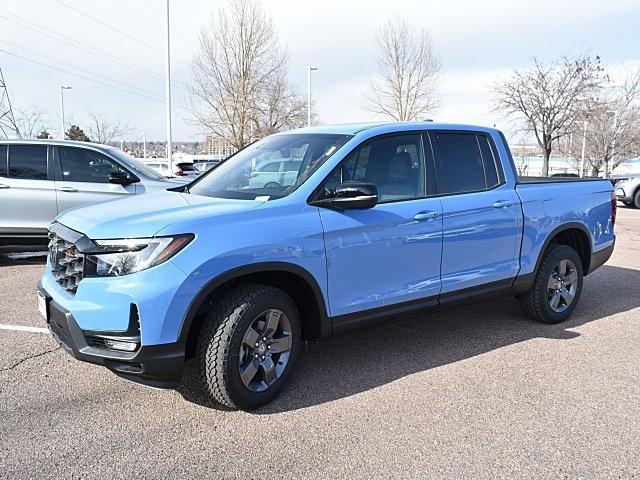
159, 366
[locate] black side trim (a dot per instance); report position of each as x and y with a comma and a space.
415, 308
600, 257
353, 321
196, 303
20, 239
479, 293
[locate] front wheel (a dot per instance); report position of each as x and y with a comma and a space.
636, 199
556, 288
248, 345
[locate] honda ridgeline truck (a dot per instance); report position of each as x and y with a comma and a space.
379, 222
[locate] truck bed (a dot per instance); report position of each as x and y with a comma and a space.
527, 180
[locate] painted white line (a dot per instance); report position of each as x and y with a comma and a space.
22, 328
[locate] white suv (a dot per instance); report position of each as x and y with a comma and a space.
41, 178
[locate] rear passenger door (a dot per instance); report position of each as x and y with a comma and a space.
82, 177
27, 193
481, 213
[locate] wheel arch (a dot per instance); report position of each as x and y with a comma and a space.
293, 279
574, 235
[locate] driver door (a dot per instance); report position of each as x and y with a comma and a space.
82, 177
387, 255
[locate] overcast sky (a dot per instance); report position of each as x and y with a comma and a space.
477, 41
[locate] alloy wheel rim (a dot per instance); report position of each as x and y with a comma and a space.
265, 350
562, 286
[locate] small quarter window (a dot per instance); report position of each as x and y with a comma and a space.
3, 160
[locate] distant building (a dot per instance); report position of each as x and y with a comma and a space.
218, 146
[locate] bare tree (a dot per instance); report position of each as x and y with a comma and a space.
405, 85
239, 83
281, 108
105, 130
548, 99
613, 125
31, 121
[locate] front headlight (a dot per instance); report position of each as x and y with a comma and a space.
126, 256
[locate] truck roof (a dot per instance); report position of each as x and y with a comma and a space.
381, 127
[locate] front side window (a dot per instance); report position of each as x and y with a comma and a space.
394, 164
270, 168
83, 165
464, 162
28, 162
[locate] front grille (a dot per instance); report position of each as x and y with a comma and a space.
67, 263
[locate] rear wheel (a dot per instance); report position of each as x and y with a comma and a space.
556, 288
248, 346
636, 199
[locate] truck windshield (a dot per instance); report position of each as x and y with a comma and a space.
270, 168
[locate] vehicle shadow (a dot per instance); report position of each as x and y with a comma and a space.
347, 365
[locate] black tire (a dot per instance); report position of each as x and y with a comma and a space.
636, 199
272, 185
222, 338
536, 302
627, 204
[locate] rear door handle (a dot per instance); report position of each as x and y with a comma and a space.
68, 189
2, 185
426, 215
502, 204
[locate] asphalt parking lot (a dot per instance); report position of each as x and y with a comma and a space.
478, 391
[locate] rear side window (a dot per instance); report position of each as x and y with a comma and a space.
3, 160
459, 163
28, 162
82, 165
489, 162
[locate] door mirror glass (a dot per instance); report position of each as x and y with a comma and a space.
120, 178
351, 195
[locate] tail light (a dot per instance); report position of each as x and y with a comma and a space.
179, 172
614, 208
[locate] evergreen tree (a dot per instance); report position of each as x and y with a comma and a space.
76, 133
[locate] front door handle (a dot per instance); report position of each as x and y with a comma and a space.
2, 185
502, 204
68, 189
426, 215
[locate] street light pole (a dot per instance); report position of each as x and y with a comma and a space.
62, 89
168, 93
310, 68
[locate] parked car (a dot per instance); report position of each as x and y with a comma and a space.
180, 169
206, 165
628, 191
275, 173
41, 178
381, 222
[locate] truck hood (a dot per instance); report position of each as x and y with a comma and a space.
145, 215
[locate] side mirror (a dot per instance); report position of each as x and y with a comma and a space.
121, 178
351, 196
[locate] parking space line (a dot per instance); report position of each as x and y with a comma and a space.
23, 328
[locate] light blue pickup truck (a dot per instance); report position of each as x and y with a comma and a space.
380, 222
